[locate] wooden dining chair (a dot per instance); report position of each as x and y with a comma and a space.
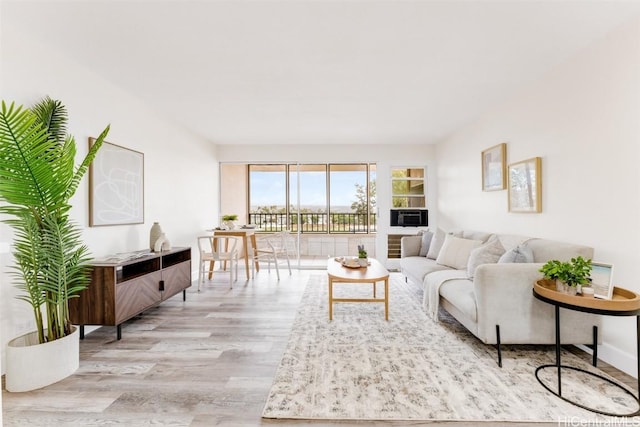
275, 249
220, 248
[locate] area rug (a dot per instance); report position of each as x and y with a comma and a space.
361, 367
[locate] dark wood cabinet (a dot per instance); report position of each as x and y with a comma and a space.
120, 290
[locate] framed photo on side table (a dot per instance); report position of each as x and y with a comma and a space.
602, 280
525, 186
494, 160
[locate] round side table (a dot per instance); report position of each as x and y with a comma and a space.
623, 303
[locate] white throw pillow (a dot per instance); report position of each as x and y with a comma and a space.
521, 253
436, 243
489, 253
455, 252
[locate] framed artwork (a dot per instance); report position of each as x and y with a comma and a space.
602, 280
494, 160
525, 186
116, 186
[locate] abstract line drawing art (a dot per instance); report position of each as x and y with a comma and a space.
116, 186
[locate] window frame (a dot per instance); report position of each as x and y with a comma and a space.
291, 170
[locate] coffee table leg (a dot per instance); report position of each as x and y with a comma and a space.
386, 299
330, 299
374, 289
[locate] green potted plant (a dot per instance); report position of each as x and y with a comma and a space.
38, 177
362, 256
568, 275
552, 269
577, 273
228, 221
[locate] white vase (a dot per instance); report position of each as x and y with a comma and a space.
363, 262
229, 225
162, 244
154, 235
30, 365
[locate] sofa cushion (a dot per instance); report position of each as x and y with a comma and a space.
510, 241
417, 267
426, 236
521, 253
476, 235
459, 293
489, 253
545, 249
436, 243
455, 251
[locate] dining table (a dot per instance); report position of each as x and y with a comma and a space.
248, 235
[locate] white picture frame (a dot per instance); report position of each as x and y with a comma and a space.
525, 186
602, 280
494, 160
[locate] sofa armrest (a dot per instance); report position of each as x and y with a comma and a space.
504, 297
410, 246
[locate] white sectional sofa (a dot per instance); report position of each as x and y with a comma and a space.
485, 281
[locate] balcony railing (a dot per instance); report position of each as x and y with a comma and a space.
315, 222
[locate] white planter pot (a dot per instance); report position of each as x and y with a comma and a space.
31, 365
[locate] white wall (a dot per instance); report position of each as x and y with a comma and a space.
180, 170
583, 119
385, 157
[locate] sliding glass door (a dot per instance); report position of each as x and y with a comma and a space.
329, 208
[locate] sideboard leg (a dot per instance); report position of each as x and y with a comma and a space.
595, 346
558, 349
81, 332
638, 351
498, 345
119, 332
184, 295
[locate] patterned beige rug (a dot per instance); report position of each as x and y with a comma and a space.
360, 367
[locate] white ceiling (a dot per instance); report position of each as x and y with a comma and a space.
256, 72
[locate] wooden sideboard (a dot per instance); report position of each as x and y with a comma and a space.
120, 290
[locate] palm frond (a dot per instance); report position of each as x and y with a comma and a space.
53, 115
84, 166
26, 158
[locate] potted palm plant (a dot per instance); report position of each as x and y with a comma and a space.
38, 177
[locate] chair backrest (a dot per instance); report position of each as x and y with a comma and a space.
282, 242
217, 246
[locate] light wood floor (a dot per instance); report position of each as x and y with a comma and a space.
204, 362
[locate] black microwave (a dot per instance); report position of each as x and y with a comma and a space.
409, 217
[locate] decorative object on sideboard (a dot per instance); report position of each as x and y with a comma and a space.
154, 235
39, 179
494, 160
228, 222
525, 186
162, 244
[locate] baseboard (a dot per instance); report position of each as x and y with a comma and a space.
615, 357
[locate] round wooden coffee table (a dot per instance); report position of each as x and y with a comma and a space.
372, 274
